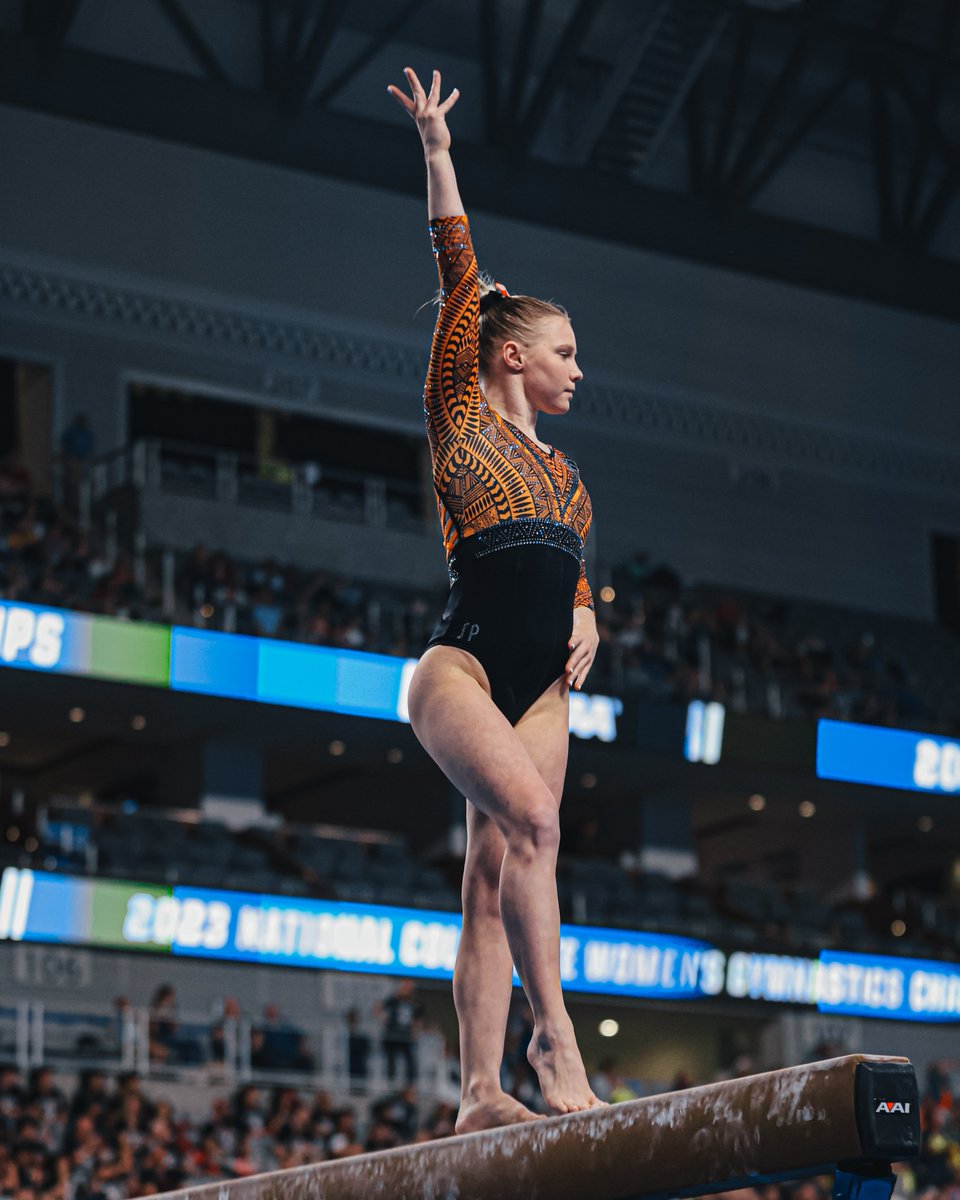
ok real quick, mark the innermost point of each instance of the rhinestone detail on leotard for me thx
(525, 531)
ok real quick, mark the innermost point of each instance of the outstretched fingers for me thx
(449, 102)
(419, 103)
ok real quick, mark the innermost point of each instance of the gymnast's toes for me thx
(491, 1112)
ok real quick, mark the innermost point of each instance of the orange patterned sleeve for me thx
(451, 398)
(584, 596)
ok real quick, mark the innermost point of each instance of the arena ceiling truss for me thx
(815, 141)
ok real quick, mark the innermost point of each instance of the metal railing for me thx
(309, 488)
(76, 1037)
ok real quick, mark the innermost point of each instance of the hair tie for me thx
(496, 295)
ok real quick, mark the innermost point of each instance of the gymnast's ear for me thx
(512, 354)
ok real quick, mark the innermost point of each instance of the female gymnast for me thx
(489, 697)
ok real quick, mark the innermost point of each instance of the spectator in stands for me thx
(323, 1115)
(11, 1099)
(220, 1131)
(163, 1025)
(77, 440)
(229, 1019)
(77, 447)
(45, 1096)
(343, 1142)
(401, 1022)
(92, 1095)
(609, 1084)
(248, 1114)
(358, 1051)
(381, 1136)
(399, 1111)
(278, 1044)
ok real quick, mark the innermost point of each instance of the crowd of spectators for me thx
(111, 1140)
(277, 1043)
(658, 637)
(108, 1142)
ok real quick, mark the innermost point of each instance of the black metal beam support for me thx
(883, 174)
(88, 87)
(755, 141)
(696, 139)
(268, 46)
(944, 195)
(746, 23)
(861, 38)
(523, 56)
(488, 16)
(193, 40)
(296, 28)
(809, 121)
(927, 118)
(308, 64)
(528, 125)
(61, 19)
(386, 34)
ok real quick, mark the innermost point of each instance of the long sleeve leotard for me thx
(513, 515)
(486, 472)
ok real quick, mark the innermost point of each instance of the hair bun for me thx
(489, 299)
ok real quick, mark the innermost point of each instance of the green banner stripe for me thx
(110, 909)
(131, 651)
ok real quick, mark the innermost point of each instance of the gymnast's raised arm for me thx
(451, 396)
(443, 197)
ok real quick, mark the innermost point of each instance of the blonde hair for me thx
(505, 318)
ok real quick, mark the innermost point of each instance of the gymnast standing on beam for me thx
(489, 697)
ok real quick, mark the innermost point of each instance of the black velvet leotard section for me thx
(511, 607)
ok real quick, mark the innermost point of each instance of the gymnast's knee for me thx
(534, 831)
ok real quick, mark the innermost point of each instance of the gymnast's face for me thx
(549, 365)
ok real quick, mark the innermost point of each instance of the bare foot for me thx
(490, 1111)
(559, 1067)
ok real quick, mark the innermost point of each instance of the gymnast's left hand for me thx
(583, 644)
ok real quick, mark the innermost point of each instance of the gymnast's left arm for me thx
(584, 638)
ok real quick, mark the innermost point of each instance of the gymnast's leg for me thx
(486, 758)
(483, 983)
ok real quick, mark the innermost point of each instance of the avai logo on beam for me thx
(894, 758)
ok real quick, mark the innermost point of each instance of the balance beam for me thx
(858, 1111)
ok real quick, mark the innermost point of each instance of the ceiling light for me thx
(609, 1028)
(807, 808)
(138, 722)
(336, 748)
(76, 715)
(756, 802)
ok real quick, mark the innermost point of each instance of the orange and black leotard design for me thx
(514, 516)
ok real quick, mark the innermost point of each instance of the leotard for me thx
(514, 516)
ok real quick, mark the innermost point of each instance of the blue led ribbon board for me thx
(894, 758)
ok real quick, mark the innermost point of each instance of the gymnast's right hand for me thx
(426, 109)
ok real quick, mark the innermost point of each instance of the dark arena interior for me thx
(308, 619)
